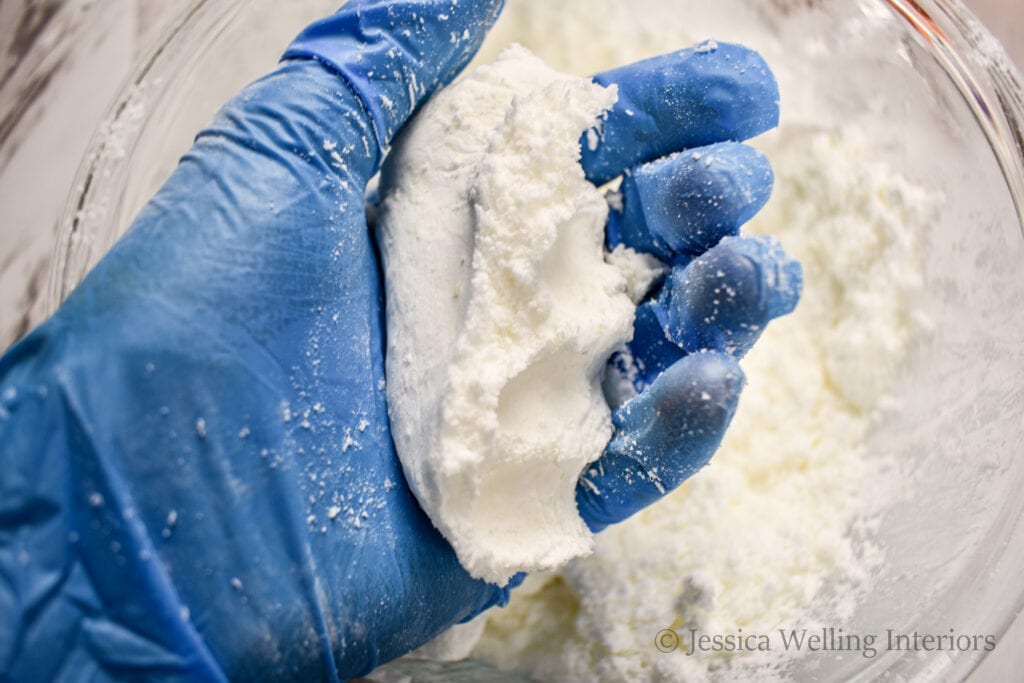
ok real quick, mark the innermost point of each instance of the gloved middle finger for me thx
(678, 207)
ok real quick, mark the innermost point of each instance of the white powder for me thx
(767, 536)
(502, 312)
(777, 531)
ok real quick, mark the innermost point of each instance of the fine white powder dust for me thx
(778, 531)
(502, 312)
(775, 533)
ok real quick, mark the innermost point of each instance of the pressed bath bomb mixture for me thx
(766, 537)
(502, 312)
(776, 532)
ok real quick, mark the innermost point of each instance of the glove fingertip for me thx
(694, 199)
(694, 399)
(725, 298)
(710, 93)
(663, 437)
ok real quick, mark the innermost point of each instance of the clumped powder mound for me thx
(777, 531)
(767, 536)
(502, 312)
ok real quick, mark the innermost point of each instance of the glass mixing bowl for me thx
(943, 106)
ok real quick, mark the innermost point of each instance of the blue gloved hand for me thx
(198, 480)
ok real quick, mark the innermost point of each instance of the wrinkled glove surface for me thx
(197, 480)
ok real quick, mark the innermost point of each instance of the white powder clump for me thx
(777, 531)
(770, 535)
(502, 312)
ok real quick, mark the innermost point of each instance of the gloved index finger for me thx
(713, 92)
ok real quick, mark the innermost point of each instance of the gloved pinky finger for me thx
(662, 438)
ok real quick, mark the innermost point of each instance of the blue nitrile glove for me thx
(197, 479)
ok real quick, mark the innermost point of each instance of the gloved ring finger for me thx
(722, 301)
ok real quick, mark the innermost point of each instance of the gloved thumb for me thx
(394, 53)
